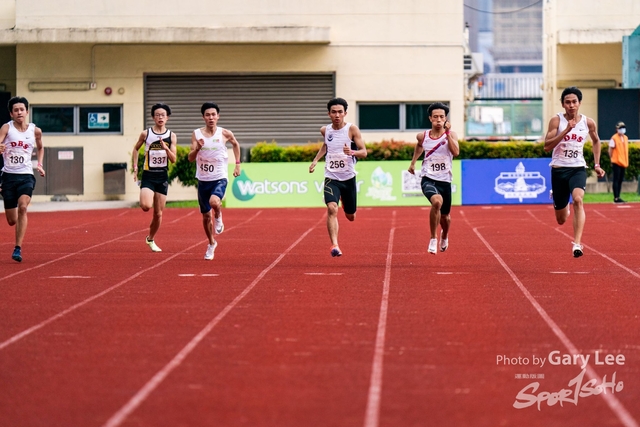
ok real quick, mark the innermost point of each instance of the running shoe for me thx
(577, 250)
(618, 200)
(444, 243)
(433, 246)
(152, 245)
(17, 255)
(335, 251)
(210, 248)
(219, 224)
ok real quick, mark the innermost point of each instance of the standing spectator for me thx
(619, 154)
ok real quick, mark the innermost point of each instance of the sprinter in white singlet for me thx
(440, 146)
(342, 145)
(209, 151)
(566, 136)
(160, 148)
(18, 139)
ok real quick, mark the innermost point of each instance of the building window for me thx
(394, 117)
(53, 119)
(76, 119)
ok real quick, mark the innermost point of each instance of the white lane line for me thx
(137, 399)
(324, 274)
(73, 253)
(194, 275)
(603, 255)
(372, 414)
(614, 404)
(63, 313)
(70, 277)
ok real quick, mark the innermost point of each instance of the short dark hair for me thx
(158, 106)
(337, 101)
(438, 106)
(571, 90)
(208, 105)
(18, 100)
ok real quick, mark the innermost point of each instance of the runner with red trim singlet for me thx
(440, 146)
(18, 138)
(566, 136)
(342, 145)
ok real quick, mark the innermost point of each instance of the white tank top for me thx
(570, 151)
(155, 157)
(438, 159)
(338, 166)
(212, 159)
(19, 148)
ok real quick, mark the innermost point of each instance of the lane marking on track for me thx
(121, 415)
(70, 277)
(63, 313)
(201, 275)
(372, 414)
(614, 404)
(603, 255)
(452, 272)
(73, 254)
(569, 272)
(324, 274)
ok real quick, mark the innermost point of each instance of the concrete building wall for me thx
(583, 47)
(380, 51)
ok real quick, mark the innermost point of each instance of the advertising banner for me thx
(506, 181)
(380, 183)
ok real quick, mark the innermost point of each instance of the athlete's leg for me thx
(159, 201)
(207, 224)
(445, 222)
(216, 205)
(578, 214)
(562, 215)
(434, 214)
(332, 222)
(21, 223)
(12, 216)
(146, 198)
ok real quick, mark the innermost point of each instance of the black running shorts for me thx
(432, 187)
(335, 190)
(564, 181)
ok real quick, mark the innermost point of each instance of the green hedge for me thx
(269, 152)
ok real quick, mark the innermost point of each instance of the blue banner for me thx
(506, 181)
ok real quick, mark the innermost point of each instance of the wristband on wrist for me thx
(597, 165)
(237, 162)
(39, 164)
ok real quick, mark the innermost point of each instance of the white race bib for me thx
(337, 162)
(157, 158)
(437, 164)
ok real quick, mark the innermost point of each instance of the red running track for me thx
(96, 330)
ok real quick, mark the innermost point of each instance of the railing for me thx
(509, 86)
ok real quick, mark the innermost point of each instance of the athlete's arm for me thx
(612, 144)
(40, 150)
(417, 151)
(195, 147)
(235, 146)
(356, 137)
(321, 152)
(3, 134)
(595, 139)
(134, 154)
(452, 139)
(172, 151)
(553, 138)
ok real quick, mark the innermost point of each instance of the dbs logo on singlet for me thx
(19, 144)
(573, 137)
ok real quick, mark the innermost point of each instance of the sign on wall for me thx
(380, 183)
(506, 181)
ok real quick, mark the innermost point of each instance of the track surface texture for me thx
(97, 330)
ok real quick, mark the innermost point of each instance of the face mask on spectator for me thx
(622, 131)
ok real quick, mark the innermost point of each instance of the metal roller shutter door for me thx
(287, 108)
